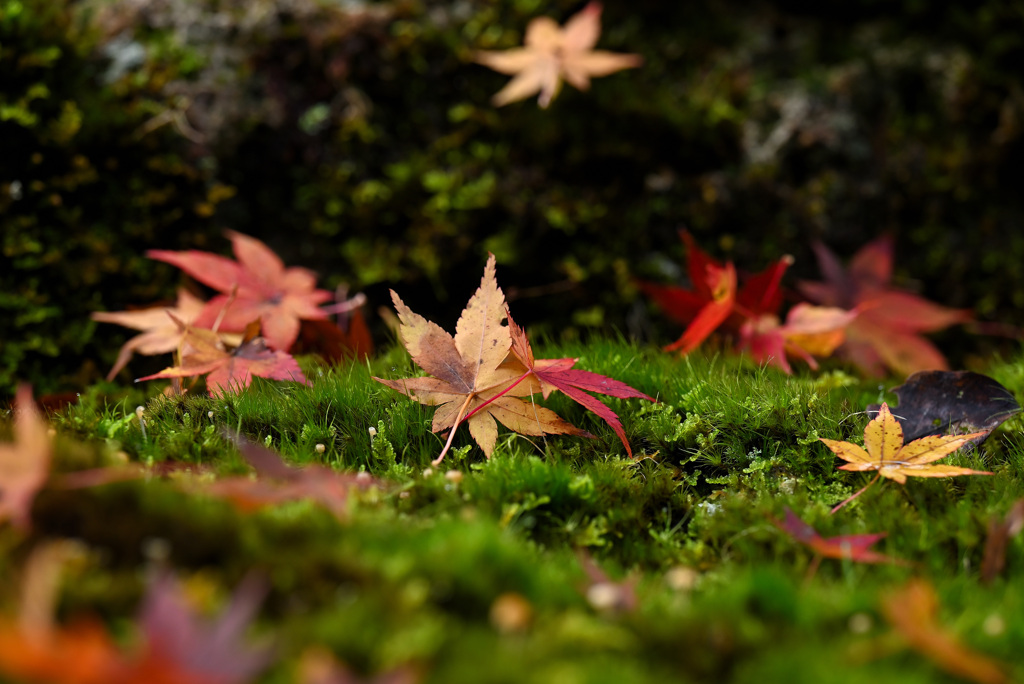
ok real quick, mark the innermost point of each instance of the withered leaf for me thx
(912, 611)
(952, 402)
(468, 372)
(552, 53)
(1000, 531)
(229, 370)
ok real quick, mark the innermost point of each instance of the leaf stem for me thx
(499, 394)
(862, 490)
(455, 425)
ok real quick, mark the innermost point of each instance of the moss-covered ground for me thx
(473, 572)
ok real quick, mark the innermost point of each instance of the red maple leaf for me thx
(204, 353)
(559, 374)
(887, 333)
(257, 286)
(749, 313)
(854, 547)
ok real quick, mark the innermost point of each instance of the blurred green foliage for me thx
(358, 139)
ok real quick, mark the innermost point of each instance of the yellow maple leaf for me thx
(885, 452)
(552, 53)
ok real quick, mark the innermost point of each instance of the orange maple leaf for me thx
(467, 371)
(204, 353)
(911, 610)
(885, 452)
(25, 465)
(257, 286)
(551, 53)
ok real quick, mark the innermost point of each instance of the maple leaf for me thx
(204, 353)
(200, 650)
(81, 653)
(467, 371)
(912, 611)
(943, 402)
(559, 374)
(750, 313)
(887, 334)
(854, 547)
(160, 333)
(1000, 531)
(885, 452)
(349, 337)
(24, 465)
(178, 647)
(809, 331)
(257, 286)
(551, 53)
(279, 483)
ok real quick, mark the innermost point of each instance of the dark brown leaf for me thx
(951, 402)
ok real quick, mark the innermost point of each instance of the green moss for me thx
(414, 571)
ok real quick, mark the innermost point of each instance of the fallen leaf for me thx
(257, 286)
(1000, 531)
(277, 482)
(467, 371)
(912, 611)
(25, 464)
(884, 451)
(559, 374)
(854, 547)
(81, 653)
(204, 353)
(887, 333)
(198, 649)
(177, 646)
(750, 313)
(336, 341)
(944, 402)
(160, 333)
(809, 331)
(551, 53)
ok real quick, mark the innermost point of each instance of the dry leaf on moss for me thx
(551, 53)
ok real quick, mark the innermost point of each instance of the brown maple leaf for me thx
(551, 53)
(887, 333)
(204, 353)
(257, 286)
(912, 611)
(467, 371)
(885, 452)
(24, 465)
(160, 333)
(559, 374)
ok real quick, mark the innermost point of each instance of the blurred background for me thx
(358, 139)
